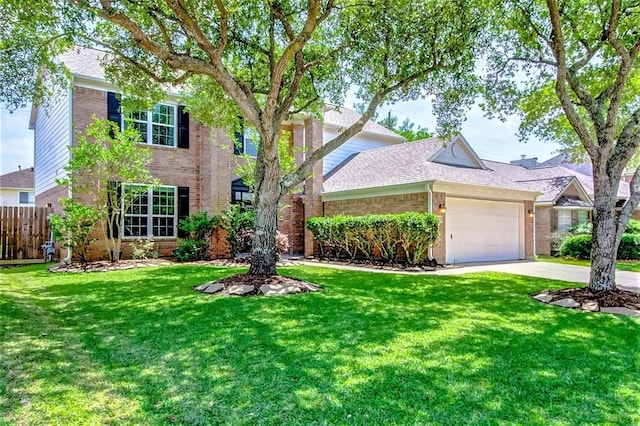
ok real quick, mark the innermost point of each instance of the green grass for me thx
(621, 265)
(140, 347)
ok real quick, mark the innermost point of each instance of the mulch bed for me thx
(259, 280)
(604, 299)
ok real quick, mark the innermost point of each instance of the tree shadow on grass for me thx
(371, 348)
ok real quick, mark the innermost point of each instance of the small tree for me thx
(108, 172)
(75, 227)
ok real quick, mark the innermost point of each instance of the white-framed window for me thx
(583, 216)
(156, 127)
(247, 142)
(26, 197)
(564, 219)
(153, 213)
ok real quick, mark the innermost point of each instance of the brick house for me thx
(488, 210)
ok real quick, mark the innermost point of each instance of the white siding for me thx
(52, 138)
(455, 154)
(9, 197)
(356, 144)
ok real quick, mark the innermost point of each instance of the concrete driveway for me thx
(555, 271)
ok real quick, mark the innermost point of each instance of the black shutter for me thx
(114, 188)
(183, 208)
(113, 109)
(183, 128)
(238, 143)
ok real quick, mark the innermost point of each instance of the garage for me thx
(481, 231)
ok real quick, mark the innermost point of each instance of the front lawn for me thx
(140, 347)
(621, 265)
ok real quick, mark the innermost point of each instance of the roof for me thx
(342, 117)
(18, 179)
(551, 188)
(408, 163)
(563, 160)
(572, 202)
(83, 61)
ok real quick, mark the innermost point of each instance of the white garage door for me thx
(478, 231)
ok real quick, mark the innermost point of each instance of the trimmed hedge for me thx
(376, 235)
(579, 246)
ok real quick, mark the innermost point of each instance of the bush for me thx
(282, 242)
(74, 228)
(199, 226)
(633, 227)
(579, 246)
(189, 250)
(369, 235)
(237, 221)
(143, 249)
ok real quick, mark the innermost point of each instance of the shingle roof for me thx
(345, 117)
(572, 202)
(18, 179)
(83, 61)
(550, 188)
(408, 163)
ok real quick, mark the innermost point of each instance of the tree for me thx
(74, 229)
(266, 61)
(102, 161)
(405, 129)
(583, 89)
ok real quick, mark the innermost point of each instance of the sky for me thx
(491, 139)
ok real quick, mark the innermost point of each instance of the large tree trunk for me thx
(605, 237)
(266, 196)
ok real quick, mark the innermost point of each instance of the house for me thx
(192, 162)
(16, 188)
(489, 210)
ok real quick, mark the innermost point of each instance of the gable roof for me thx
(564, 161)
(21, 179)
(458, 152)
(341, 117)
(83, 61)
(406, 164)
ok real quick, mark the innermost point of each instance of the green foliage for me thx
(405, 129)
(143, 248)
(237, 221)
(633, 227)
(581, 228)
(74, 228)
(199, 225)
(102, 158)
(189, 250)
(579, 247)
(382, 234)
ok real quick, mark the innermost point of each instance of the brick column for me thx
(313, 185)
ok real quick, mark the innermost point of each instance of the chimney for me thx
(525, 162)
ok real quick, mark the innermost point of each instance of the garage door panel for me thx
(482, 230)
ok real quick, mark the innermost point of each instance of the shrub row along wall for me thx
(579, 246)
(372, 236)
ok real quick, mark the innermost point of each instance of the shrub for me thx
(365, 235)
(579, 246)
(633, 227)
(189, 250)
(74, 228)
(143, 249)
(581, 228)
(629, 247)
(199, 226)
(237, 221)
(282, 242)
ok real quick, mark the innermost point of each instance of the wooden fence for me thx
(23, 230)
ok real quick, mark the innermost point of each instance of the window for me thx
(583, 216)
(246, 141)
(157, 127)
(564, 220)
(240, 194)
(27, 197)
(153, 213)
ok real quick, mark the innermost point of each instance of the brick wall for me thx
(543, 230)
(313, 185)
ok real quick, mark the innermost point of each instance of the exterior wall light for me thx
(442, 209)
(531, 213)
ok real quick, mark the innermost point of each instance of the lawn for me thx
(621, 265)
(140, 347)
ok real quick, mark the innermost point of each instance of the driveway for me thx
(555, 271)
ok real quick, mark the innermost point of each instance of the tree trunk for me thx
(605, 237)
(266, 196)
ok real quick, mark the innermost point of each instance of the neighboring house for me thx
(16, 188)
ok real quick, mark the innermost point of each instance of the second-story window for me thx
(246, 142)
(157, 127)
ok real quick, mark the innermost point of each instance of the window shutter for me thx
(114, 187)
(183, 208)
(113, 109)
(183, 128)
(238, 143)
